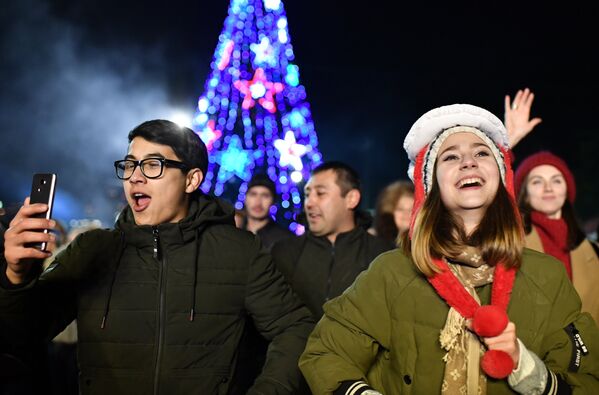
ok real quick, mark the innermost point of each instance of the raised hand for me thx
(24, 229)
(517, 116)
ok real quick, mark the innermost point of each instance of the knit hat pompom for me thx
(545, 158)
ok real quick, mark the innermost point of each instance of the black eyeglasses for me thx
(150, 167)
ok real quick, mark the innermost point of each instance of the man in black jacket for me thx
(259, 198)
(161, 300)
(322, 263)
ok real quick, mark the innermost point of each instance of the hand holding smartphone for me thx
(43, 188)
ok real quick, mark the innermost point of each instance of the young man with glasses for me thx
(161, 300)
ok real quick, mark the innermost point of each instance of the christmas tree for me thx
(253, 114)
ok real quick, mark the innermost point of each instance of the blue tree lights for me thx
(253, 115)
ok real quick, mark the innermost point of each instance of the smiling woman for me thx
(546, 194)
(463, 279)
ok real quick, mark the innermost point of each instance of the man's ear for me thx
(352, 199)
(193, 180)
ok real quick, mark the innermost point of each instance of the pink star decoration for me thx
(260, 89)
(209, 135)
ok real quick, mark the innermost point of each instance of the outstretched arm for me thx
(517, 116)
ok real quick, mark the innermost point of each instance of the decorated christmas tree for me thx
(253, 114)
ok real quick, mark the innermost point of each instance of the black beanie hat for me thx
(264, 181)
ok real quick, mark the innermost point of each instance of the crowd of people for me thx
(470, 277)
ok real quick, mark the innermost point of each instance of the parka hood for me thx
(204, 211)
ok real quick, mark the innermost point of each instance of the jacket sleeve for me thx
(41, 309)
(283, 253)
(281, 318)
(571, 345)
(354, 329)
(30, 316)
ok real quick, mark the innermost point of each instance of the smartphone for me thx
(43, 188)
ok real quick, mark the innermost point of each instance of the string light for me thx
(253, 115)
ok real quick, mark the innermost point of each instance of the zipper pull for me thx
(156, 242)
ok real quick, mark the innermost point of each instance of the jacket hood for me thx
(204, 211)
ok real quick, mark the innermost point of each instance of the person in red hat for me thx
(546, 192)
(462, 307)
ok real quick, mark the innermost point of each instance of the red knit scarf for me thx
(453, 292)
(554, 237)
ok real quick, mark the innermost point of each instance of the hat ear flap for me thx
(509, 185)
(419, 193)
(509, 173)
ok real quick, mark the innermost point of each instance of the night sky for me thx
(76, 76)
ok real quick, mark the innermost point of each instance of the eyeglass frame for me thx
(138, 163)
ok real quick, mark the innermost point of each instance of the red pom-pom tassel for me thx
(497, 364)
(489, 321)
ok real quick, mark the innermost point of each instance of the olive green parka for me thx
(385, 329)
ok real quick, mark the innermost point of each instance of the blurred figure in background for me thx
(546, 191)
(393, 210)
(259, 198)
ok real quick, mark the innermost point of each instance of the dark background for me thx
(76, 76)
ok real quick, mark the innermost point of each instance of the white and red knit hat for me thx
(428, 133)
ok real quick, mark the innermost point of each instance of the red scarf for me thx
(453, 292)
(554, 237)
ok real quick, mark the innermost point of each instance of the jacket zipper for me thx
(157, 253)
(329, 280)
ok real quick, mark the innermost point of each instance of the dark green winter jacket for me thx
(385, 330)
(160, 310)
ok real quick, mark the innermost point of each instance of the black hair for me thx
(347, 177)
(188, 146)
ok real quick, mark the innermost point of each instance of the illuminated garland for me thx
(253, 115)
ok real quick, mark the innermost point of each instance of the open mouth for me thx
(472, 182)
(141, 201)
(312, 216)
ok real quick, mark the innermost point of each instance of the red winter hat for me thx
(545, 158)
